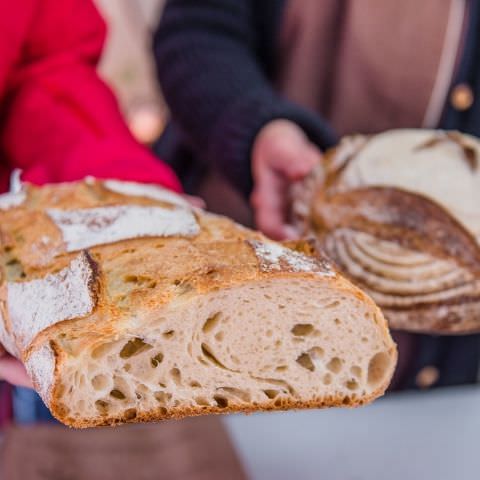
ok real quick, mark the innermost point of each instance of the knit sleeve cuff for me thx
(231, 144)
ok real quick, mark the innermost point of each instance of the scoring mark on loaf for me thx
(153, 192)
(274, 257)
(40, 303)
(346, 150)
(98, 226)
(469, 151)
(40, 366)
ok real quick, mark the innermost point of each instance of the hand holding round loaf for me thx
(126, 304)
(399, 214)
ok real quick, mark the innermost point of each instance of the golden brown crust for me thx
(456, 318)
(469, 153)
(143, 274)
(450, 315)
(179, 413)
(406, 218)
(410, 220)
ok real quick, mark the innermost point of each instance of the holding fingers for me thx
(282, 154)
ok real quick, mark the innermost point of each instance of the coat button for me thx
(462, 97)
(427, 376)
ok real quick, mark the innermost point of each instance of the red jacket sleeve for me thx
(61, 121)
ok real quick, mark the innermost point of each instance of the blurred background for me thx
(128, 66)
(127, 63)
(427, 435)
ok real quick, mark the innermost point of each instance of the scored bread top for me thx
(35, 305)
(275, 257)
(398, 213)
(443, 166)
(97, 226)
(102, 256)
(408, 180)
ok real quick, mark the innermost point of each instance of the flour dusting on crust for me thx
(41, 368)
(346, 150)
(275, 257)
(145, 190)
(17, 195)
(98, 226)
(38, 304)
(16, 185)
(12, 200)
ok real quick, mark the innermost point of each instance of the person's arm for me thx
(60, 122)
(215, 85)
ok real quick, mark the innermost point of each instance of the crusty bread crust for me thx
(409, 219)
(132, 272)
(179, 413)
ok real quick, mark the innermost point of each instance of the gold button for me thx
(462, 97)
(427, 376)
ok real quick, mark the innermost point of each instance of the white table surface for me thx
(409, 436)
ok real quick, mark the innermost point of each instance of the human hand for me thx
(12, 370)
(194, 201)
(282, 154)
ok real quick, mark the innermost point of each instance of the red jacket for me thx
(58, 120)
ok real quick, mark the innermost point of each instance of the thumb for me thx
(13, 371)
(298, 160)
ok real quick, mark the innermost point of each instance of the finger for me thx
(297, 161)
(290, 232)
(13, 371)
(270, 221)
(271, 203)
(275, 230)
(268, 200)
(271, 229)
(195, 201)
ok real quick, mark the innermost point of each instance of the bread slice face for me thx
(170, 311)
(398, 213)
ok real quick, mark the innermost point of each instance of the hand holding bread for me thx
(13, 371)
(282, 155)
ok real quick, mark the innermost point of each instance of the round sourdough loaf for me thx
(399, 213)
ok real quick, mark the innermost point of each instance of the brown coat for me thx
(348, 61)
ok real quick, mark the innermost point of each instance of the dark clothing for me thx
(221, 66)
(457, 358)
(219, 81)
(468, 73)
(224, 67)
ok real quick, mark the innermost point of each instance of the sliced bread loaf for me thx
(127, 305)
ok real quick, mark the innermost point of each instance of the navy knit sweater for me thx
(215, 63)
